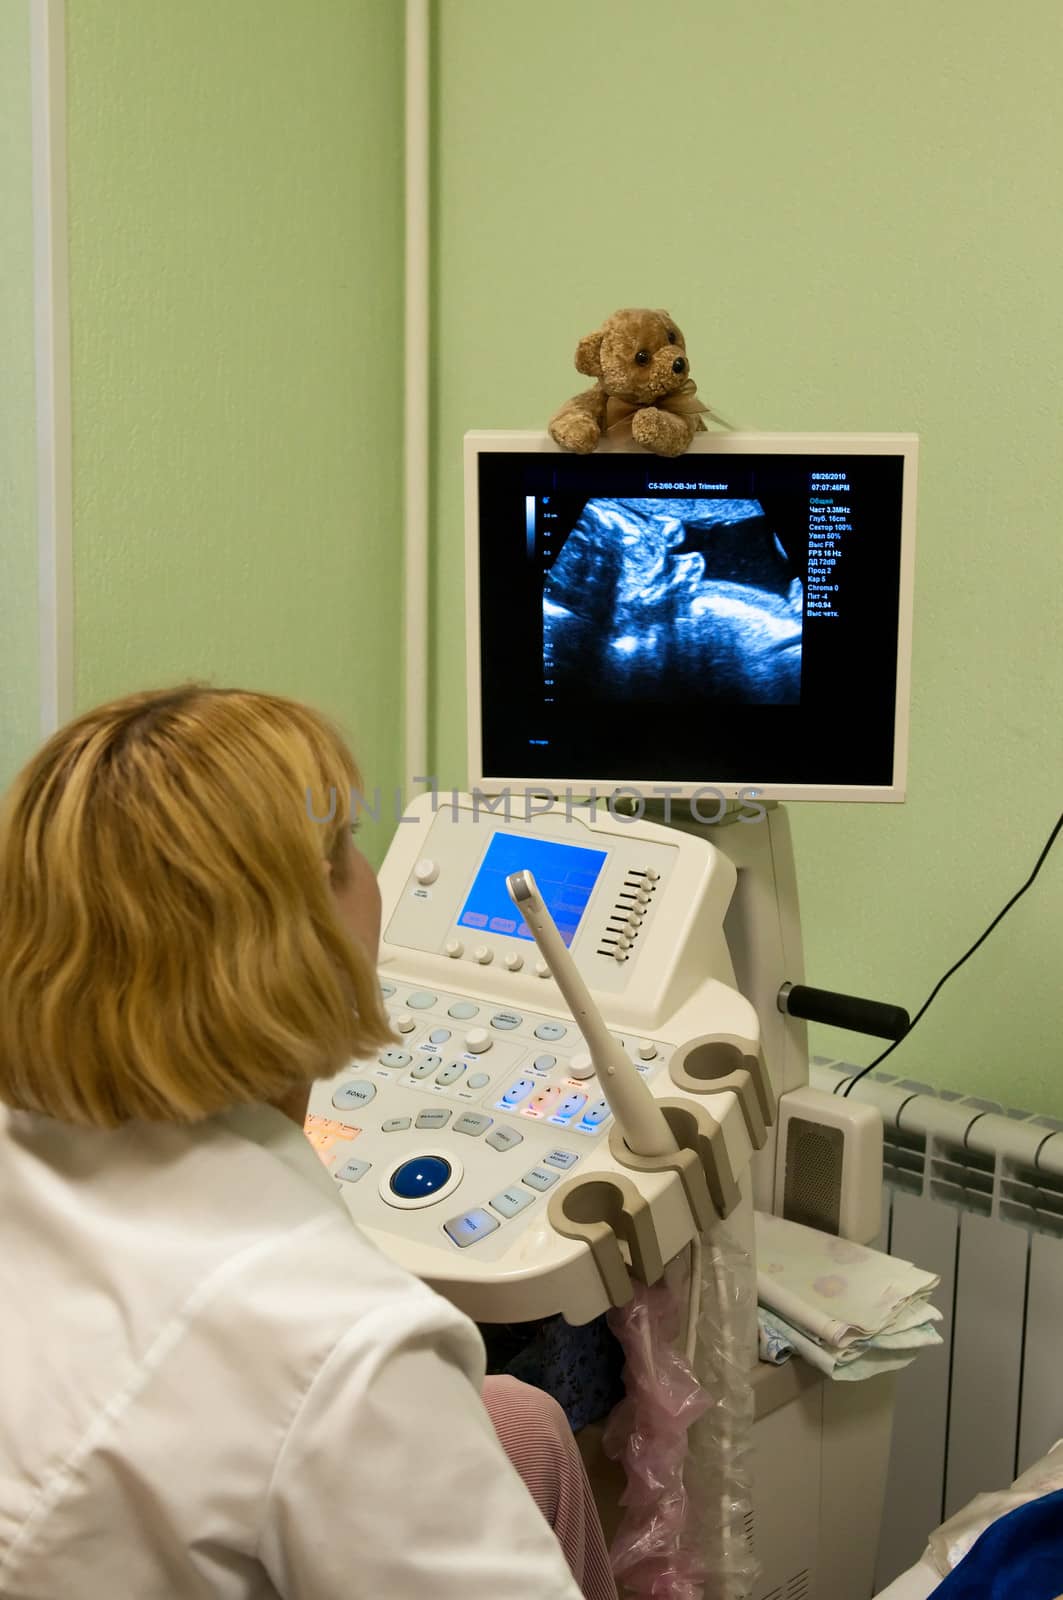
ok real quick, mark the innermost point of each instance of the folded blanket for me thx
(836, 1292)
(857, 1361)
(1020, 1557)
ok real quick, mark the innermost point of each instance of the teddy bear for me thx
(644, 389)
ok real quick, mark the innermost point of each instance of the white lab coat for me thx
(211, 1384)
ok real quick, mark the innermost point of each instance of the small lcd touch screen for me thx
(565, 875)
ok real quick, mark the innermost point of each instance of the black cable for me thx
(942, 981)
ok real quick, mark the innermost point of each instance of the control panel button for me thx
(581, 1065)
(439, 1035)
(477, 1040)
(541, 969)
(447, 1074)
(647, 1050)
(551, 1030)
(592, 1119)
(544, 1063)
(463, 1010)
(484, 955)
(504, 1138)
(353, 1094)
(425, 1066)
(352, 1170)
(454, 949)
(541, 1178)
(514, 962)
(420, 1177)
(394, 1124)
(387, 990)
(506, 1020)
(404, 1023)
(420, 1000)
(543, 1103)
(517, 1092)
(432, 1119)
(643, 897)
(478, 1080)
(394, 1058)
(510, 1201)
(426, 871)
(469, 1227)
(561, 1158)
(651, 874)
(473, 1123)
(568, 1108)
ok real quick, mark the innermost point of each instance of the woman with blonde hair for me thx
(212, 1384)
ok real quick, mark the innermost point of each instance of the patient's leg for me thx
(534, 1433)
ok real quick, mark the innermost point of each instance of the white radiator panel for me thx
(986, 1358)
(925, 1233)
(1041, 1414)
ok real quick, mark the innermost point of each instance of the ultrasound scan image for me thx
(659, 600)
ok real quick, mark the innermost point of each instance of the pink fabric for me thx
(534, 1433)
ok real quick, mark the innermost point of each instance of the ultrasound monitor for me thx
(737, 619)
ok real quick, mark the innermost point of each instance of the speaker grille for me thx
(813, 1190)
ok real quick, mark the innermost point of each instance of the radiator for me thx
(973, 1192)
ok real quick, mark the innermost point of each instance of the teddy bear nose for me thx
(679, 365)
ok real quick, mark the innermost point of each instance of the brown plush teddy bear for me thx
(644, 389)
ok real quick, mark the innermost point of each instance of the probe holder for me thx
(702, 1162)
(710, 1065)
(601, 1209)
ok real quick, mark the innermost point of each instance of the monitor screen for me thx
(736, 617)
(565, 875)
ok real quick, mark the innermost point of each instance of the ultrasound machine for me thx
(592, 954)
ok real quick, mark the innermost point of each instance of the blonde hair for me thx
(169, 944)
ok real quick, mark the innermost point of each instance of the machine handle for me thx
(844, 1011)
(638, 1116)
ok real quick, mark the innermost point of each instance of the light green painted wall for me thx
(854, 212)
(19, 681)
(236, 307)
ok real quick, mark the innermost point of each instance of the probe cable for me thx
(942, 981)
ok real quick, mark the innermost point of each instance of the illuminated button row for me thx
(471, 1226)
(554, 1104)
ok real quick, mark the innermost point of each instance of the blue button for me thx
(353, 1094)
(422, 1176)
(516, 1093)
(567, 1109)
(551, 1030)
(592, 1120)
(506, 1020)
(472, 1226)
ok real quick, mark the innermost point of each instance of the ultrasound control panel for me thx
(449, 1143)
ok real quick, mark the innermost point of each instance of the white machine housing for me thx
(442, 1093)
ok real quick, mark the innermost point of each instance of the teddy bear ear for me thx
(666, 316)
(589, 355)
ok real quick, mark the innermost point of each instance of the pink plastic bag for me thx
(658, 1549)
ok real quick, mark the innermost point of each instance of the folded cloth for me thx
(1020, 1557)
(836, 1292)
(773, 1347)
(857, 1361)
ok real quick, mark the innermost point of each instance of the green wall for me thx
(235, 177)
(853, 211)
(19, 674)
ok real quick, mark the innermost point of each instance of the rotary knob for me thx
(581, 1066)
(454, 948)
(477, 1040)
(405, 1023)
(484, 954)
(647, 1050)
(426, 871)
(514, 962)
(541, 969)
